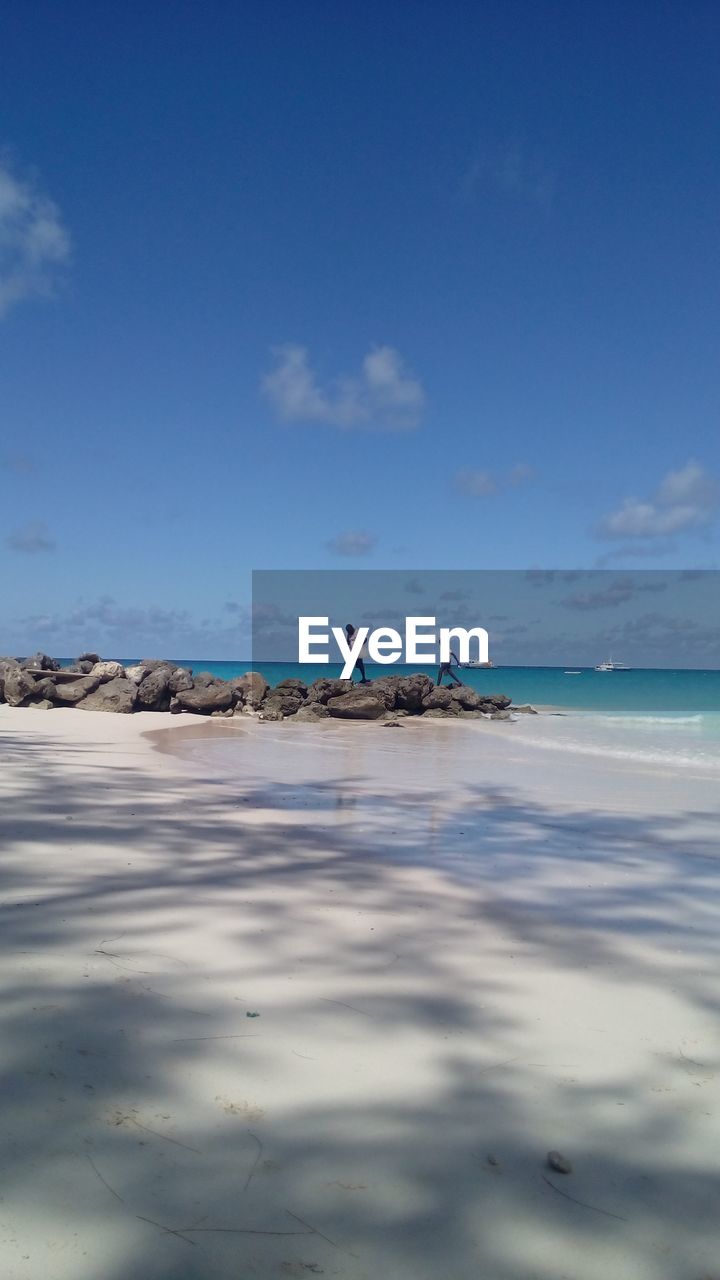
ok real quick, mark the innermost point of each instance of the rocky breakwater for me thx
(156, 685)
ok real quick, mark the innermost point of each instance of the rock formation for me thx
(155, 685)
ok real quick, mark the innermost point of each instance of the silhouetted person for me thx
(445, 669)
(350, 632)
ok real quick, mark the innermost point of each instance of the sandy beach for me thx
(292, 1000)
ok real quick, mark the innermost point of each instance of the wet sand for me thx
(462, 952)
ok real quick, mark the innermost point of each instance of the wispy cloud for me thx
(610, 595)
(384, 394)
(18, 464)
(354, 542)
(516, 170)
(31, 539)
(685, 500)
(476, 483)
(34, 244)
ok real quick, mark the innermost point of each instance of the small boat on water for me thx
(612, 666)
(477, 664)
(572, 673)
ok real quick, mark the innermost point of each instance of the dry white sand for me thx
(463, 953)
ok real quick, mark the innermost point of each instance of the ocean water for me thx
(650, 717)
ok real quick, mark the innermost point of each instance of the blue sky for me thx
(307, 285)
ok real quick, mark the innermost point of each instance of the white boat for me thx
(477, 664)
(612, 666)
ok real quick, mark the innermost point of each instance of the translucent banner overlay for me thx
(554, 618)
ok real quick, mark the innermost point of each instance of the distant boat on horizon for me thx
(610, 665)
(477, 664)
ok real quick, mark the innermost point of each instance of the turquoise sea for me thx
(637, 692)
(646, 715)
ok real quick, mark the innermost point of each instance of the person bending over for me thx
(445, 669)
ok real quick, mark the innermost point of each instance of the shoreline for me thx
(460, 955)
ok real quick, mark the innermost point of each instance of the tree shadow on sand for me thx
(390, 1118)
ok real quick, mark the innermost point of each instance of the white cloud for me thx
(482, 484)
(384, 394)
(31, 539)
(476, 484)
(686, 499)
(355, 542)
(34, 245)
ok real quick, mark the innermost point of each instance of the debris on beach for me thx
(254, 1014)
(559, 1162)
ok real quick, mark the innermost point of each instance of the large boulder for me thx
(283, 701)
(385, 689)
(153, 693)
(43, 691)
(76, 690)
(17, 684)
(180, 678)
(466, 697)
(205, 699)
(498, 701)
(250, 688)
(322, 689)
(358, 705)
(410, 692)
(293, 685)
(137, 672)
(312, 711)
(40, 662)
(89, 657)
(108, 671)
(7, 665)
(438, 699)
(118, 695)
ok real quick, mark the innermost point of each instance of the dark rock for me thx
(358, 705)
(501, 715)
(284, 701)
(18, 685)
(43, 691)
(499, 700)
(175, 707)
(323, 689)
(79, 668)
(292, 685)
(119, 696)
(466, 697)
(385, 690)
(559, 1162)
(89, 657)
(270, 713)
(77, 690)
(526, 709)
(250, 688)
(312, 711)
(441, 698)
(153, 693)
(7, 667)
(43, 705)
(204, 680)
(40, 662)
(180, 678)
(439, 713)
(205, 698)
(410, 693)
